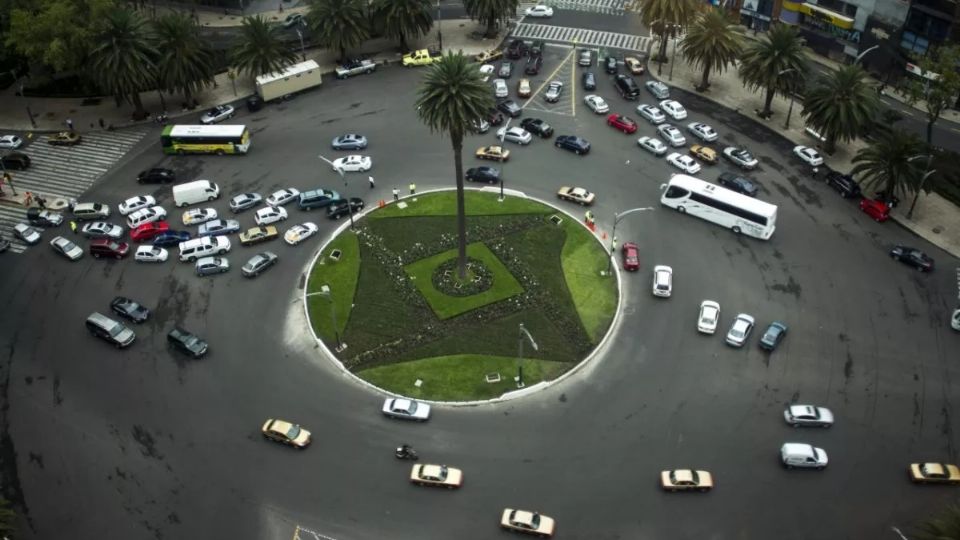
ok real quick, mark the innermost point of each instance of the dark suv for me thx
(489, 175)
(156, 175)
(740, 184)
(534, 63)
(537, 48)
(187, 342)
(16, 161)
(844, 184)
(516, 49)
(537, 127)
(318, 198)
(627, 87)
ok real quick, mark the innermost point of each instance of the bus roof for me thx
(723, 194)
(219, 130)
(289, 71)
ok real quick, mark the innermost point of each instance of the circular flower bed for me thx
(446, 279)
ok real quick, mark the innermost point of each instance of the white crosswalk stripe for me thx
(64, 172)
(582, 36)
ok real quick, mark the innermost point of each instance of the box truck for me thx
(290, 80)
(195, 192)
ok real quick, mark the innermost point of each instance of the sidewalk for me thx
(935, 219)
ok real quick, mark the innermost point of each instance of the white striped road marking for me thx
(582, 36)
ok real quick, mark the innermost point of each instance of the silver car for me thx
(217, 114)
(740, 330)
(258, 264)
(26, 233)
(672, 135)
(553, 92)
(406, 409)
(515, 134)
(702, 131)
(218, 227)
(651, 113)
(212, 265)
(102, 229)
(653, 145)
(808, 415)
(66, 248)
(500, 89)
(244, 201)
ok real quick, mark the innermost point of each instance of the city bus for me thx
(219, 139)
(739, 213)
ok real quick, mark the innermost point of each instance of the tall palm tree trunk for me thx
(768, 102)
(138, 110)
(663, 46)
(457, 140)
(704, 81)
(403, 42)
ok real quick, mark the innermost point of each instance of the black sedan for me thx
(157, 175)
(740, 184)
(340, 207)
(128, 309)
(187, 342)
(577, 145)
(170, 238)
(509, 107)
(537, 127)
(610, 65)
(494, 117)
(490, 175)
(589, 80)
(912, 257)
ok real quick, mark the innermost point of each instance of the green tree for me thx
(186, 62)
(945, 525)
(8, 518)
(339, 24)
(776, 63)
(57, 33)
(491, 13)
(894, 163)
(123, 59)
(665, 18)
(451, 96)
(404, 18)
(712, 43)
(259, 49)
(841, 105)
(939, 92)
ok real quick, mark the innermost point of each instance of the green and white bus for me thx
(220, 139)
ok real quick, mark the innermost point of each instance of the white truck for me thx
(355, 67)
(195, 192)
(293, 79)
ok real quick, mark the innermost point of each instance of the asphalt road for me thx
(144, 443)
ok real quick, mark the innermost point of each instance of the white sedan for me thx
(486, 71)
(539, 11)
(709, 317)
(270, 214)
(151, 254)
(299, 233)
(809, 155)
(196, 216)
(514, 134)
(353, 163)
(703, 131)
(136, 203)
(662, 281)
(406, 409)
(740, 330)
(596, 104)
(673, 109)
(653, 145)
(500, 89)
(10, 142)
(684, 162)
(282, 197)
(217, 114)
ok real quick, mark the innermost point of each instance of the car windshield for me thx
(737, 331)
(293, 432)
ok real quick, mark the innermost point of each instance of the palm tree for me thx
(451, 96)
(339, 24)
(893, 163)
(943, 526)
(776, 63)
(259, 49)
(123, 59)
(403, 18)
(665, 17)
(491, 12)
(713, 42)
(186, 61)
(841, 105)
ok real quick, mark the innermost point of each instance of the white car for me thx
(152, 254)
(709, 317)
(703, 131)
(539, 11)
(651, 113)
(27, 233)
(500, 89)
(136, 203)
(596, 104)
(196, 216)
(299, 233)
(217, 114)
(102, 229)
(66, 248)
(653, 145)
(662, 281)
(672, 135)
(270, 214)
(146, 215)
(808, 415)
(486, 71)
(809, 155)
(740, 330)
(406, 409)
(282, 197)
(10, 142)
(353, 163)
(673, 109)
(802, 455)
(515, 134)
(740, 157)
(684, 162)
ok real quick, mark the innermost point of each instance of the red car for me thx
(631, 256)
(148, 230)
(878, 210)
(106, 247)
(622, 123)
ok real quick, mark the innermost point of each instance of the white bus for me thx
(219, 139)
(739, 213)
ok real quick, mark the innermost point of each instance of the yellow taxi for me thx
(258, 234)
(527, 522)
(286, 433)
(704, 153)
(686, 480)
(489, 56)
(523, 88)
(934, 473)
(496, 153)
(436, 475)
(64, 138)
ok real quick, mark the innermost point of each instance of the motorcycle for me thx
(405, 452)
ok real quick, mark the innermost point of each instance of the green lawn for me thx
(341, 277)
(477, 203)
(595, 296)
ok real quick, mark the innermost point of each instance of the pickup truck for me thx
(355, 67)
(423, 57)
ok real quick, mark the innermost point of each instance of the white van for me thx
(206, 246)
(802, 455)
(146, 215)
(195, 192)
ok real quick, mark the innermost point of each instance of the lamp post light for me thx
(328, 294)
(523, 334)
(864, 53)
(923, 180)
(786, 125)
(343, 177)
(613, 235)
(673, 59)
(503, 165)
(672, 28)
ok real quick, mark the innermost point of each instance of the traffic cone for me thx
(381, 204)
(604, 236)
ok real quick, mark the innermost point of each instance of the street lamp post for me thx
(613, 235)
(302, 53)
(503, 164)
(923, 181)
(27, 103)
(523, 334)
(864, 53)
(439, 25)
(786, 125)
(328, 294)
(343, 177)
(673, 58)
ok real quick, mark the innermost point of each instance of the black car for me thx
(16, 161)
(516, 49)
(627, 87)
(889, 199)
(534, 63)
(129, 309)
(844, 184)
(170, 238)
(589, 80)
(912, 257)
(510, 108)
(187, 342)
(740, 184)
(490, 175)
(494, 117)
(537, 127)
(44, 218)
(506, 69)
(610, 65)
(577, 145)
(537, 48)
(156, 175)
(341, 207)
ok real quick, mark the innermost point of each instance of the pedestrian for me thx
(42, 203)
(396, 194)
(371, 182)
(815, 171)
(70, 124)
(413, 188)
(73, 226)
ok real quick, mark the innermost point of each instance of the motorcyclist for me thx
(405, 450)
